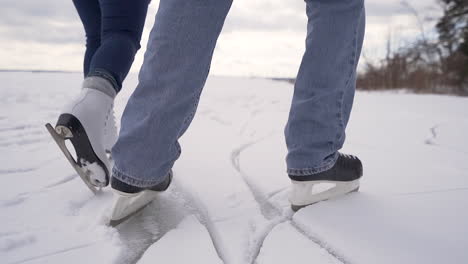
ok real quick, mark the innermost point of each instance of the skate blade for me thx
(127, 205)
(341, 189)
(60, 140)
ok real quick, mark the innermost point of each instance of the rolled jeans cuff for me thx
(106, 75)
(328, 164)
(128, 179)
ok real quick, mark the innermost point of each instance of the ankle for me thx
(100, 84)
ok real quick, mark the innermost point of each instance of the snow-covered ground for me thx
(228, 203)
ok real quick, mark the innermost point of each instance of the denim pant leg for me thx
(121, 26)
(90, 15)
(325, 85)
(174, 71)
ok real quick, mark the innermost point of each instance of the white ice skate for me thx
(128, 204)
(88, 122)
(129, 200)
(344, 176)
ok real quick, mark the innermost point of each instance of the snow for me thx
(97, 172)
(228, 202)
(368, 228)
(189, 241)
(285, 244)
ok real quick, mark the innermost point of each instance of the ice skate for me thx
(88, 122)
(344, 175)
(129, 200)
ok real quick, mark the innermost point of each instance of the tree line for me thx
(428, 65)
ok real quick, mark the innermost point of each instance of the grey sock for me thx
(100, 84)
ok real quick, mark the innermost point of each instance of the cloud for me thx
(263, 37)
(45, 21)
(266, 15)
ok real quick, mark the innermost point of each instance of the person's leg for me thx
(122, 26)
(175, 68)
(113, 30)
(325, 85)
(90, 15)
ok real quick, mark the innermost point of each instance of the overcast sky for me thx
(260, 37)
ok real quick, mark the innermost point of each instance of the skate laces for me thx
(348, 156)
(110, 128)
(110, 118)
(347, 160)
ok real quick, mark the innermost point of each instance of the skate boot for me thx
(129, 200)
(88, 122)
(344, 175)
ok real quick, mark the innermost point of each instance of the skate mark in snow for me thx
(23, 142)
(28, 169)
(14, 201)
(219, 120)
(21, 197)
(22, 135)
(200, 211)
(76, 206)
(161, 216)
(9, 233)
(65, 250)
(15, 128)
(273, 193)
(323, 244)
(19, 170)
(431, 140)
(433, 191)
(210, 114)
(266, 208)
(148, 226)
(273, 213)
(9, 243)
(62, 181)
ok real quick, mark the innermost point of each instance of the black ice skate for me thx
(345, 175)
(129, 200)
(88, 122)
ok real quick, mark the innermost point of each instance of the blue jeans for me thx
(176, 66)
(113, 33)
